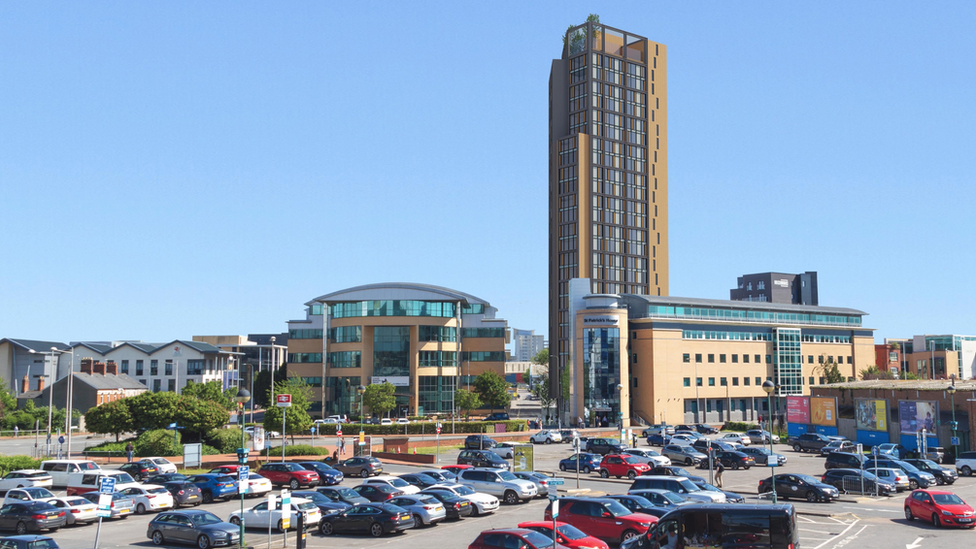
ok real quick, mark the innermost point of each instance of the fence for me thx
(857, 485)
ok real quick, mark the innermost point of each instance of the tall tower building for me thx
(608, 173)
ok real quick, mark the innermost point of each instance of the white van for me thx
(82, 483)
(61, 469)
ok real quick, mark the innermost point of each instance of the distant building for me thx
(887, 356)
(798, 289)
(526, 344)
(96, 384)
(255, 353)
(938, 356)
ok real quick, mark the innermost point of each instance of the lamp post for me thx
(53, 353)
(769, 387)
(952, 395)
(362, 391)
(243, 396)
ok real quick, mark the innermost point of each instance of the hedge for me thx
(461, 427)
(225, 441)
(297, 450)
(13, 463)
(155, 443)
(738, 426)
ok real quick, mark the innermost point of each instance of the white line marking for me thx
(840, 534)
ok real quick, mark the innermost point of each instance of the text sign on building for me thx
(283, 401)
(599, 321)
(396, 381)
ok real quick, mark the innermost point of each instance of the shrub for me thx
(225, 441)
(738, 426)
(298, 450)
(158, 442)
(462, 427)
(12, 463)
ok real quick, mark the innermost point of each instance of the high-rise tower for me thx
(608, 172)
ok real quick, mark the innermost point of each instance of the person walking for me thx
(128, 452)
(342, 446)
(719, 469)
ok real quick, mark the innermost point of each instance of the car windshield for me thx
(689, 485)
(464, 491)
(43, 543)
(570, 532)
(632, 460)
(759, 451)
(537, 540)
(39, 493)
(205, 518)
(617, 509)
(307, 506)
(642, 501)
(672, 497)
(948, 499)
(908, 467)
(399, 482)
(346, 493)
(928, 465)
(505, 475)
(708, 487)
(294, 467)
(122, 478)
(317, 497)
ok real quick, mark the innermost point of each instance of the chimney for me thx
(111, 369)
(86, 366)
(40, 384)
(98, 368)
(25, 384)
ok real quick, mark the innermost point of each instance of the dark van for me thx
(722, 525)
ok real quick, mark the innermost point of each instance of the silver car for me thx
(122, 506)
(505, 450)
(679, 453)
(541, 481)
(426, 510)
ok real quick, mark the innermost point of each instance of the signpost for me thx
(106, 489)
(243, 473)
(285, 515)
(437, 455)
(555, 513)
(283, 401)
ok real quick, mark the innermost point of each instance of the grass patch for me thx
(445, 448)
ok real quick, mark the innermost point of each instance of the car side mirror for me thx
(606, 514)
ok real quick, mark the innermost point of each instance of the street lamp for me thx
(769, 387)
(952, 395)
(242, 397)
(50, 392)
(362, 391)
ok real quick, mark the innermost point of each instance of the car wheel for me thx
(207, 496)
(631, 475)
(913, 484)
(586, 470)
(364, 473)
(908, 513)
(689, 461)
(811, 496)
(376, 530)
(735, 465)
(548, 441)
(935, 520)
(562, 467)
(966, 471)
(293, 484)
(236, 521)
(203, 542)
(325, 528)
(628, 535)
(604, 473)
(140, 509)
(21, 528)
(797, 448)
(939, 480)
(511, 498)
(157, 538)
(281, 525)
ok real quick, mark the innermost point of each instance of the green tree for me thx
(211, 390)
(111, 418)
(153, 410)
(466, 400)
(873, 372)
(579, 35)
(492, 389)
(8, 402)
(198, 417)
(379, 398)
(263, 382)
(542, 391)
(297, 420)
(829, 369)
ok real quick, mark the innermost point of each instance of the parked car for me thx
(342, 495)
(943, 475)
(732, 460)
(23, 478)
(29, 541)
(402, 421)
(363, 466)
(567, 535)
(675, 471)
(648, 456)
(935, 453)
(966, 463)
(683, 438)
(386, 421)
(164, 465)
(377, 493)
(664, 501)
(640, 504)
(426, 509)
(140, 470)
(808, 442)
(568, 435)
(892, 450)
(792, 485)
(540, 480)
(419, 480)
(511, 537)
(895, 476)
(482, 503)
(395, 482)
(505, 450)
(374, 519)
(328, 476)
(77, 510)
(604, 446)
(501, 484)
(657, 439)
(149, 497)
(941, 508)
(602, 518)
(263, 515)
(165, 477)
(452, 471)
(683, 454)
(497, 416)
(479, 442)
(744, 440)
(215, 486)
(679, 485)
(457, 507)
(730, 497)
(27, 495)
(762, 456)
(292, 475)
(761, 436)
(193, 527)
(916, 478)
(184, 493)
(31, 516)
(844, 460)
(482, 458)
(663, 429)
(836, 478)
(324, 503)
(584, 463)
(618, 465)
(255, 485)
(838, 446)
(545, 437)
(122, 506)
(703, 444)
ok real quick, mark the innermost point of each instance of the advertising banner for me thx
(823, 411)
(798, 409)
(915, 415)
(871, 414)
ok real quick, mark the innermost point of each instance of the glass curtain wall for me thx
(788, 368)
(601, 374)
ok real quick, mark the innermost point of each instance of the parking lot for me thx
(865, 521)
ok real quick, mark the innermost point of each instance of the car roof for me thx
(664, 477)
(544, 523)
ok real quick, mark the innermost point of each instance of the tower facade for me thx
(608, 174)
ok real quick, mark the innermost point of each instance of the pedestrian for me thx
(128, 452)
(633, 437)
(335, 456)
(16, 430)
(342, 446)
(579, 422)
(719, 469)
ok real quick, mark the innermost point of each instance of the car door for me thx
(182, 528)
(6, 514)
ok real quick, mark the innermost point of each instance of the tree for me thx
(579, 35)
(829, 369)
(492, 389)
(153, 410)
(543, 393)
(263, 382)
(297, 420)
(8, 402)
(198, 417)
(379, 398)
(211, 390)
(873, 372)
(111, 418)
(466, 400)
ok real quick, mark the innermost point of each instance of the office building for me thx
(424, 340)
(685, 360)
(608, 172)
(526, 344)
(938, 356)
(798, 289)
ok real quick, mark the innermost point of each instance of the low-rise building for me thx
(97, 383)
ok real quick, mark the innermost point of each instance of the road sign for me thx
(104, 505)
(555, 508)
(61, 439)
(874, 451)
(339, 432)
(556, 481)
(244, 473)
(954, 441)
(283, 401)
(438, 429)
(313, 430)
(107, 485)
(285, 509)
(553, 497)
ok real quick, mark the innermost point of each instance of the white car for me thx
(257, 485)
(386, 421)
(260, 517)
(327, 421)
(649, 456)
(684, 440)
(77, 510)
(149, 497)
(395, 482)
(546, 437)
(24, 478)
(164, 465)
(20, 495)
(736, 437)
(483, 503)
(505, 450)
(403, 421)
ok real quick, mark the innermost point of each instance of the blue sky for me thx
(179, 168)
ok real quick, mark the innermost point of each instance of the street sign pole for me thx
(555, 513)
(283, 401)
(106, 488)
(243, 473)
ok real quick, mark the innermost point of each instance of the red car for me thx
(616, 465)
(566, 535)
(602, 518)
(513, 537)
(455, 469)
(292, 474)
(940, 508)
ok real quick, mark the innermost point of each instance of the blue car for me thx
(656, 440)
(587, 463)
(327, 475)
(215, 486)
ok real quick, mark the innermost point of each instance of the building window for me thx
(483, 356)
(168, 368)
(194, 367)
(435, 393)
(313, 381)
(687, 382)
(157, 385)
(400, 308)
(745, 381)
(170, 385)
(809, 359)
(436, 333)
(635, 358)
(473, 309)
(735, 382)
(154, 368)
(482, 332)
(125, 367)
(758, 381)
(723, 382)
(143, 382)
(769, 359)
(340, 359)
(711, 358)
(745, 359)
(821, 381)
(344, 334)
(708, 405)
(811, 380)
(711, 382)
(721, 358)
(635, 382)
(438, 359)
(758, 360)
(686, 358)
(305, 333)
(698, 358)
(850, 360)
(305, 358)
(735, 359)
(698, 381)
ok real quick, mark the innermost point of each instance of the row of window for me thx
(305, 333)
(446, 359)
(194, 367)
(483, 356)
(710, 313)
(437, 333)
(725, 335)
(344, 359)
(346, 334)
(482, 332)
(302, 358)
(392, 307)
(722, 358)
(724, 381)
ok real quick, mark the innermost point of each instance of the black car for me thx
(328, 476)
(942, 475)
(377, 493)
(844, 460)
(640, 504)
(498, 416)
(420, 480)
(675, 472)
(194, 527)
(479, 442)
(342, 495)
(481, 458)
(373, 519)
(790, 485)
(705, 429)
(184, 492)
(836, 478)
(456, 507)
(730, 497)
(731, 459)
(702, 445)
(28, 542)
(325, 504)
(31, 516)
(140, 470)
(165, 477)
(604, 446)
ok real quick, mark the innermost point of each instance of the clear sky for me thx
(178, 168)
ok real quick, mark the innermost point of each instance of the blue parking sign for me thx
(107, 486)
